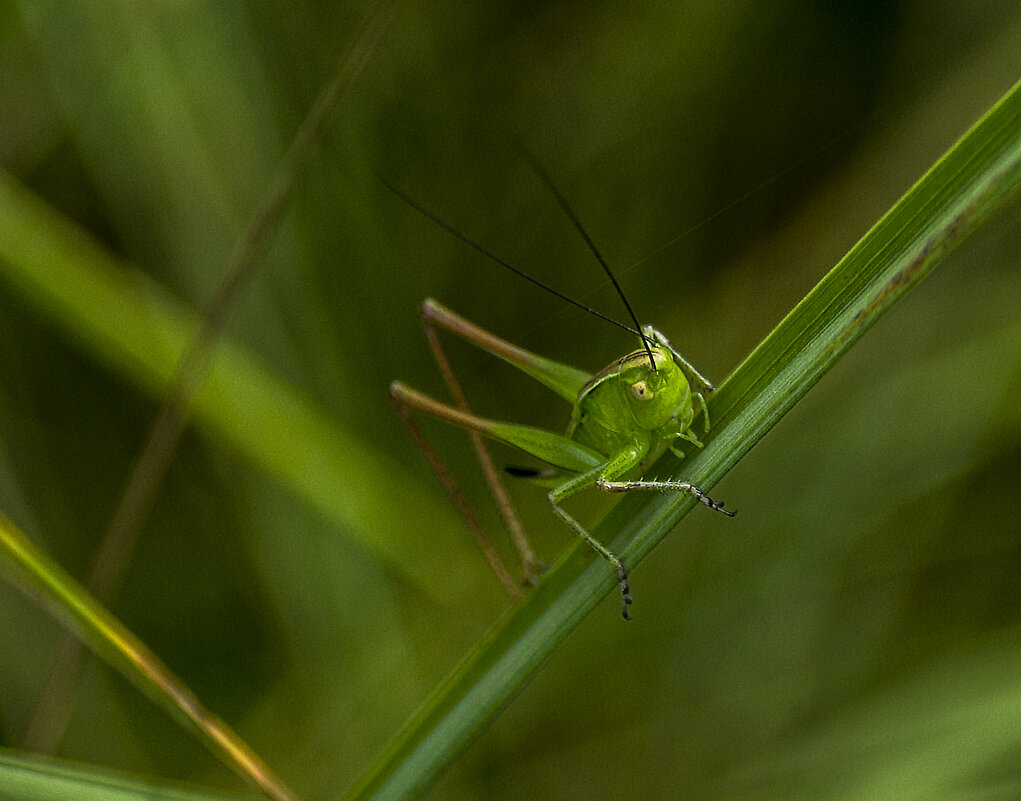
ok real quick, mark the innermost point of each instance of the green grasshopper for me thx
(622, 419)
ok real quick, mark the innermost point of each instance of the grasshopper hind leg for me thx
(433, 316)
(402, 399)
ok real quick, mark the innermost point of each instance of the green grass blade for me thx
(39, 576)
(981, 172)
(122, 317)
(36, 779)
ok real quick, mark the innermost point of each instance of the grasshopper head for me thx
(653, 396)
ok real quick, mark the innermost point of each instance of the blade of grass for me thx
(36, 779)
(981, 172)
(121, 317)
(37, 575)
(118, 543)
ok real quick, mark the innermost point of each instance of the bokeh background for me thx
(854, 632)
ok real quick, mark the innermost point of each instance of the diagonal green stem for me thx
(38, 575)
(980, 173)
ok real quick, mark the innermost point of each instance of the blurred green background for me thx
(854, 632)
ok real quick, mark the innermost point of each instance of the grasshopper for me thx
(622, 418)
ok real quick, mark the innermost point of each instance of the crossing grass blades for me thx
(622, 418)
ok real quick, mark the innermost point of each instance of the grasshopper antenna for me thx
(544, 176)
(516, 270)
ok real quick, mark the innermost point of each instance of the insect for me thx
(622, 419)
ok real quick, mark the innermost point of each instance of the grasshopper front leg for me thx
(599, 476)
(664, 486)
(575, 485)
(604, 477)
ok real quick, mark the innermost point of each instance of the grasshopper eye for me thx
(641, 391)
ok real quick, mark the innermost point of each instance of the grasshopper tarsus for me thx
(625, 590)
(532, 571)
(715, 505)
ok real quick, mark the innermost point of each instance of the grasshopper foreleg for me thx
(664, 486)
(570, 488)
